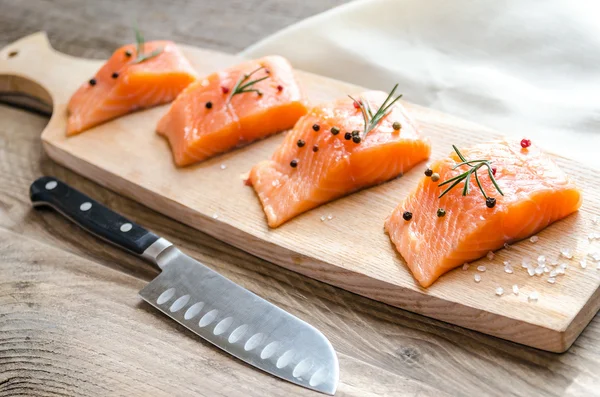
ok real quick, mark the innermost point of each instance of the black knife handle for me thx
(90, 214)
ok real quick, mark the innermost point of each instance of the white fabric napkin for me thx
(524, 67)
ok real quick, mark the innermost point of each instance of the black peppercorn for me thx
(335, 130)
(347, 136)
(301, 143)
(115, 75)
(441, 212)
(92, 81)
(407, 215)
(428, 172)
(127, 53)
(490, 202)
(208, 105)
(356, 138)
(315, 148)
(316, 127)
(294, 163)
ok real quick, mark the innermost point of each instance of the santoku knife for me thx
(225, 314)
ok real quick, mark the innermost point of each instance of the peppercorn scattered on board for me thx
(341, 242)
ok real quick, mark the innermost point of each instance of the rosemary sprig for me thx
(371, 120)
(244, 84)
(466, 176)
(141, 56)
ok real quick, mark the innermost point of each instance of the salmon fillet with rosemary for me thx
(232, 108)
(321, 159)
(435, 235)
(130, 81)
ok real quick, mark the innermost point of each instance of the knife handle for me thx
(90, 215)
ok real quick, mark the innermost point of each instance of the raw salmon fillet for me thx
(338, 166)
(536, 193)
(121, 86)
(203, 122)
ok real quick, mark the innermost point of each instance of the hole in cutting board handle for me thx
(12, 54)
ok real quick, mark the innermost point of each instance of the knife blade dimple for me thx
(243, 324)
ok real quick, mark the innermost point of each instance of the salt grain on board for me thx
(541, 259)
(551, 280)
(499, 291)
(223, 166)
(539, 271)
(477, 278)
(481, 268)
(566, 252)
(534, 296)
(534, 239)
(583, 263)
(515, 289)
(595, 256)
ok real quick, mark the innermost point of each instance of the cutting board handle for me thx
(31, 67)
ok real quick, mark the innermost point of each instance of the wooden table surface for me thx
(71, 322)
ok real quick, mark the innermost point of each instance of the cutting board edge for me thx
(555, 340)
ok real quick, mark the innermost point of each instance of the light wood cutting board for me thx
(350, 250)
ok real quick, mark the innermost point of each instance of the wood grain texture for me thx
(349, 251)
(384, 351)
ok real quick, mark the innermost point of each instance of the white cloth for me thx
(524, 67)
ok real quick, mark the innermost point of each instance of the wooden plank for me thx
(384, 351)
(349, 251)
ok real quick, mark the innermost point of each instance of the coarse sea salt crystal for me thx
(215, 215)
(499, 291)
(508, 269)
(583, 263)
(477, 278)
(553, 273)
(534, 296)
(551, 280)
(595, 256)
(525, 263)
(566, 252)
(539, 271)
(223, 166)
(329, 217)
(490, 255)
(534, 239)
(323, 218)
(481, 268)
(515, 289)
(531, 271)
(541, 259)
(465, 267)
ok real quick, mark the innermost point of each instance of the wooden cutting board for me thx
(341, 243)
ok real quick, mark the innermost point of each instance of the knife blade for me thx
(210, 305)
